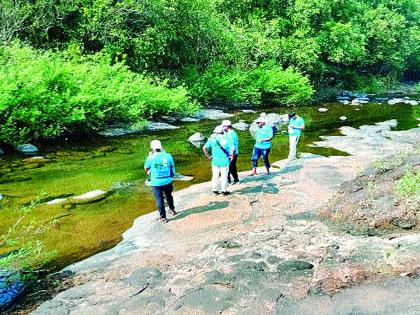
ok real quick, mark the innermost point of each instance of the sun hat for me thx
(156, 145)
(260, 120)
(291, 114)
(226, 122)
(218, 129)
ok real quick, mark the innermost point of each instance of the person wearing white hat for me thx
(263, 136)
(233, 138)
(222, 152)
(296, 125)
(161, 168)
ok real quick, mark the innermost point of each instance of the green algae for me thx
(95, 163)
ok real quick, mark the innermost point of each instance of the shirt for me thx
(297, 122)
(219, 158)
(261, 134)
(233, 138)
(162, 168)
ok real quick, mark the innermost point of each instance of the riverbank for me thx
(255, 251)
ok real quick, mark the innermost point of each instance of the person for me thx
(262, 147)
(222, 152)
(296, 125)
(161, 168)
(233, 138)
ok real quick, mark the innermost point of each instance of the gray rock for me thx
(57, 201)
(249, 111)
(241, 126)
(345, 102)
(228, 244)
(411, 102)
(322, 109)
(189, 119)
(294, 265)
(214, 114)
(27, 148)
(155, 126)
(405, 224)
(119, 131)
(396, 101)
(343, 118)
(144, 277)
(89, 197)
(197, 137)
(183, 178)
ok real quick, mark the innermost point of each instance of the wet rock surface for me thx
(261, 250)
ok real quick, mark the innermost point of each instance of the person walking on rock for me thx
(263, 136)
(222, 152)
(161, 168)
(233, 138)
(296, 125)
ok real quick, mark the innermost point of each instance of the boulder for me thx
(411, 102)
(57, 201)
(118, 131)
(243, 126)
(249, 111)
(343, 118)
(355, 102)
(27, 148)
(89, 197)
(361, 100)
(396, 101)
(36, 160)
(197, 137)
(322, 109)
(189, 119)
(155, 126)
(214, 114)
(344, 102)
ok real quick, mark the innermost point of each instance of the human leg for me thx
(233, 170)
(293, 141)
(265, 154)
(255, 156)
(223, 178)
(167, 190)
(157, 191)
(214, 178)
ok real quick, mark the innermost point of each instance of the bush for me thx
(45, 94)
(268, 83)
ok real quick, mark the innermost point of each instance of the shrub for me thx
(45, 94)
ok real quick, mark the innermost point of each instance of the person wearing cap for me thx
(161, 168)
(222, 152)
(296, 125)
(262, 147)
(233, 138)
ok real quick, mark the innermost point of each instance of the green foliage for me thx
(46, 95)
(408, 187)
(268, 83)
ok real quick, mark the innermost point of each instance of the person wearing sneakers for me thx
(222, 152)
(296, 125)
(262, 147)
(161, 168)
(233, 138)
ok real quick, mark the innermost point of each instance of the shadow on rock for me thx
(209, 207)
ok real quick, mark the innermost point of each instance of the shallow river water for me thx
(76, 232)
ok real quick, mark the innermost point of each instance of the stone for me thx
(294, 265)
(156, 126)
(213, 114)
(36, 160)
(405, 224)
(228, 244)
(355, 102)
(345, 102)
(361, 100)
(117, 131)
(396, 101)
(343, 118)
(89, 197)
(411, 102)
(1, 196)
(249, 111)
(241, 126)
(183, 178)
(189, 119)
(322, 109)
(1, 151)
(27, 148)
(57, 201)
(197, 137)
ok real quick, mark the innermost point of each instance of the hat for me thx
(226, 122)
(218, 129)
(291, 114)
(260, 120)
(156, 145)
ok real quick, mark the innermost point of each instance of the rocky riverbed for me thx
(264, 249)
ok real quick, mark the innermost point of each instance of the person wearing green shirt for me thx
(296, 125)
(233, 137)
(222, 152)
(263, 136)
(161, 168)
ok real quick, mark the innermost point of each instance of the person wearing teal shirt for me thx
(222, 152)
(263, 137)
(233, 137)
(296, 125)
(161, 168)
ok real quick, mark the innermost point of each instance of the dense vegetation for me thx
(234, 51)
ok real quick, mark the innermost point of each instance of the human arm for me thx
(147, 166)
(206, 153)
(172, 166)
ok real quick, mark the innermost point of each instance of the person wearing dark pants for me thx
(161, 168)
(263, 138)
(233, 138)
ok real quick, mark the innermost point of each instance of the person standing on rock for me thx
(263, 136)
(296, 125)
(222, 152)
(233, 138)
(161, 168)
